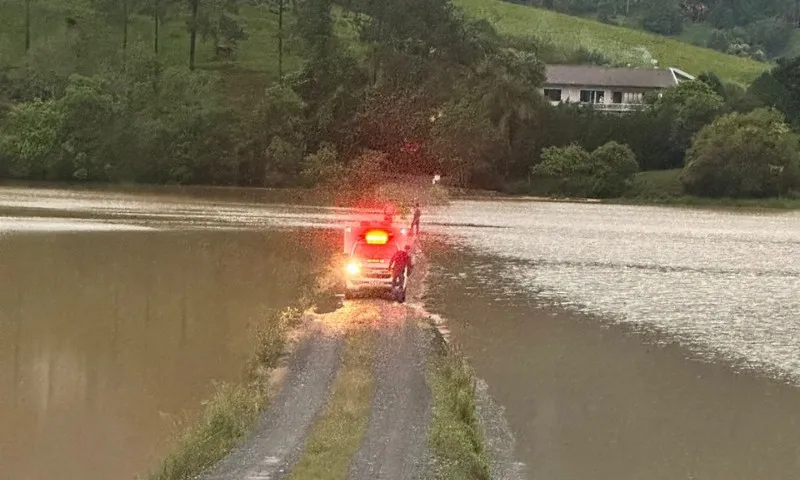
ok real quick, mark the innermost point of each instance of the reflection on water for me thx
(588, 401)
(107, 337)
(724, 282)
(79, 209)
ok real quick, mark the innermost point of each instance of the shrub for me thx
(606, 172)
(753, 155)
(614, 165)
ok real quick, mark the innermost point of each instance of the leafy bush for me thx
(606, 172)
(753, 155)
(614, 165)
(323, 167)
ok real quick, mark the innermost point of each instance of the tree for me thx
(274, 127)
(160, 10)
(687, 108)
(780, 89)
(314, 26)
(216, 20)
(279, 8)
(118, 12)
(753, 155)
(465, 142)
(193, 26)
(31, 139)
(712, 80)
(664, 17)
(27, 25)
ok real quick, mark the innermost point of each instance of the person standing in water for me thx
(415, 220)
(397, 265)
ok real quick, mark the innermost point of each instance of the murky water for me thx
(117, 310)
(589, 321)
(726, 283)
(114, 322)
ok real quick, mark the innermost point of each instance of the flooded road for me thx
(589, 323)
(113, 327)
(631, 342)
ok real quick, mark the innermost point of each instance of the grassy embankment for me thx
(455, 436)
(623, 45)
(664, 188)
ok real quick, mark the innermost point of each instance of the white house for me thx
(612, 89)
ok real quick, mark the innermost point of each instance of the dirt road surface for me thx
(395, 443)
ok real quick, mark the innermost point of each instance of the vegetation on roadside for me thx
(455, 435)
(231, 410)
(337, 434)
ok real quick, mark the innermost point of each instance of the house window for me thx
(616, 97)
(553, 94)
(592, 96)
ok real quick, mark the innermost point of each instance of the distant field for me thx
(256, 54)
(624, 45)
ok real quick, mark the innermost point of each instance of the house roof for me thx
(591, 75)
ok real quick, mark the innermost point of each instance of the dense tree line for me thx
(425, 90)
(759, 29)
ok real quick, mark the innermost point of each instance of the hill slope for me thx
(621, 44)
(258, 52)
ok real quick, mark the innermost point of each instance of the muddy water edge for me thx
(108, 338)
(587, 399)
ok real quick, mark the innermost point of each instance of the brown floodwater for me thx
(111, 332)
(631, 342)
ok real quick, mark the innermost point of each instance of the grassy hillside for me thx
(618, 43)
(257, 54)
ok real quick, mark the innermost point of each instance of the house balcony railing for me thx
(616, 107)
(610, 107)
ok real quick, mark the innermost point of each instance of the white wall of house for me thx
(601, 95)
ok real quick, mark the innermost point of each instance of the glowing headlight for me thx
(353, 268)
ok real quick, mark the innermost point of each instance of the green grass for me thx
(259, 52)
(657, 184)
(692, 201)
(623, 45)
(696, 33)
(455, 436)
(231, 410)
(663, 187)
(337, 434)
(256, 55)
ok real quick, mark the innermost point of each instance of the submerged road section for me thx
(357, 403)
